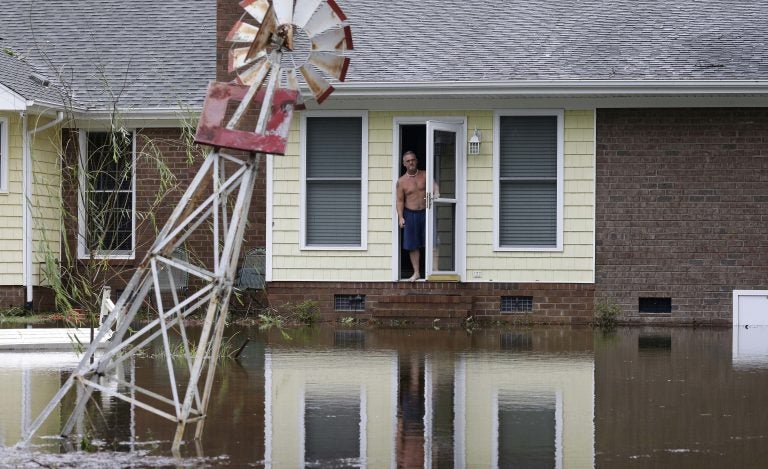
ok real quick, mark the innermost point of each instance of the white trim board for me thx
(742, 318)
(4, 155)
(497, 115)
(363, 180)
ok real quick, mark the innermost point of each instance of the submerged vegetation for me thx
(606, 314)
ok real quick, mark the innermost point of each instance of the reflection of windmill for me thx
(289, 40)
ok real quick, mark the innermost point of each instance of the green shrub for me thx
(606, 314)
(305, 312)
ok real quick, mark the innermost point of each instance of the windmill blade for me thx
(319, 85)
(238, 58)
(303, 11)
(264, 36)
(329, 15)
(256, 8)
(334, 65)
(242, 32)
(293, 84)
(338, 40)
(255, 74)
(283, 11)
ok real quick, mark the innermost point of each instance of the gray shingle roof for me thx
(152, 54)
(17, 75)
(142, 54)
(456, 40)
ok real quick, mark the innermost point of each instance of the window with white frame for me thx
(529, 172)
(334, 184)
(3, 154)
(107, 200)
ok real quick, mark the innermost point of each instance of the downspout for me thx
(26, 202)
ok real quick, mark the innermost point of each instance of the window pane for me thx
(334, 181)
(109, 197)
(332, 430)
(334, 147)
(333, 213)
(528, 213)
(109, 222)
(528, 181)
(528, 146)
(527, 430)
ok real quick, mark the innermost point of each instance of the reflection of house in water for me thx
(330, 406)
(750, 346)
(527, 411)
(524, 402)
(678, 397)
(27, 382)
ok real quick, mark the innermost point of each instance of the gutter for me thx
(26, 200)
(553, 88)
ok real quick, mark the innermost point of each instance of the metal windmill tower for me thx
(274, 43)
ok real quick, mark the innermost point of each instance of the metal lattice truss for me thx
(216, 203)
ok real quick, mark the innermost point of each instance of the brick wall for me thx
(552, 303)
(167, 145)
(682, 208)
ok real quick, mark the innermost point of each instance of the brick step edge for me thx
(425, 299)
(430, 313)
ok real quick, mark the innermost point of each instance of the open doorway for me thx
(413, 137)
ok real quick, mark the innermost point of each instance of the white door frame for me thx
(461, 188)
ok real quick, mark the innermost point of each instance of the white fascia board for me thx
(12, 101)
(555, 88)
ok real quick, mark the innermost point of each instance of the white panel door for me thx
(750, 308)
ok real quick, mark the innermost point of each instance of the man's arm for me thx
(400, 204)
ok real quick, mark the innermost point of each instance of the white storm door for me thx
(443, 152)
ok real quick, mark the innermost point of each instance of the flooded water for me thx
(323, 397)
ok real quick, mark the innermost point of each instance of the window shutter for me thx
(528, 214)
(334, 181)
(528, 181)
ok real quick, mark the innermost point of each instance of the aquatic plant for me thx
(606, 314)
(470, 324)
(305, 312)
(269, 319)
(348, 321)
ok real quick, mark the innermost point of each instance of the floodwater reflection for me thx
(541, 397)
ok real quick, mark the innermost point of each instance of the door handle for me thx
(428, 199)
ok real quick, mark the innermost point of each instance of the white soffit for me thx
(10, 101)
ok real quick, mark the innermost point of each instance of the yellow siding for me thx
(572, 380)
(295, 378)
(46, 200)
(574, 264)
(20, 398)
(11, 267)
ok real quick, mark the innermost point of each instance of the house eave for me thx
(554, 88)
(136, 117)
(11, 100)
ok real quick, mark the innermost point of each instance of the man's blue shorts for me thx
(414, 232)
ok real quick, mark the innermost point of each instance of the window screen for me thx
(333, 181)
(528, 181)
(108, 192)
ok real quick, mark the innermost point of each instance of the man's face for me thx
(410, 162)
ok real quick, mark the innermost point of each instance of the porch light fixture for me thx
(474, 143)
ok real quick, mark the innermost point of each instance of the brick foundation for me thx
(682, 209)
(450, 302)
(16, 297)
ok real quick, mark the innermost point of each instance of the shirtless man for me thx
(411, 209)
